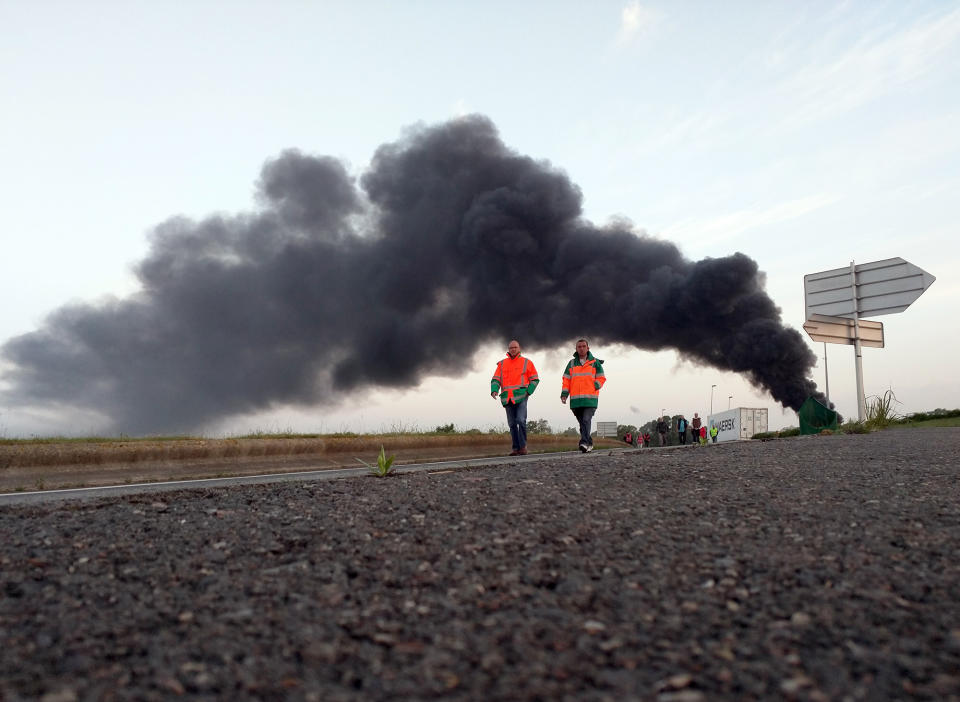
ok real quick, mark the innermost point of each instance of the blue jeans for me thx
(584, 415)
(517, 421)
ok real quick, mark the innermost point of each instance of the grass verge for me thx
(17, 453)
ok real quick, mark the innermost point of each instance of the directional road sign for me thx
(607, 429)
(840, 330)
(882, 287)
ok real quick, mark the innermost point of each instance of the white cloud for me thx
(728, 226)
(461, 108)
(685, 131)
(635, 19)
(872, 68)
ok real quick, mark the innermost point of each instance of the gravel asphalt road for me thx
(816, 568)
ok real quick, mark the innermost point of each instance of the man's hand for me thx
(563, 400)
(494, 394)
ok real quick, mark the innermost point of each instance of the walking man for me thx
(662, 430)
(682, 429)
(582, 380)
(514, 380)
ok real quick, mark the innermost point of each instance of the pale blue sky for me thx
(805, 135)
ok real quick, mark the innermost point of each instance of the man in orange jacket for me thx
(515, 380)
(582, 379)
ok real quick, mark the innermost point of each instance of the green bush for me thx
(538, 426)
(781, 434)
(938, 413)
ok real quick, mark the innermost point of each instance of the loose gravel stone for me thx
(818, 568)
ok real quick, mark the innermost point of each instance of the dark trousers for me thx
(517, 421)
(682, 433)
(584, 415)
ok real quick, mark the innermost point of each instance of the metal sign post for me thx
(826, 373)
(858, 349)
(836, 301)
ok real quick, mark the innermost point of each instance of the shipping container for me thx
(738, 423)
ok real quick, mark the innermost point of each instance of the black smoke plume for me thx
(449, 240)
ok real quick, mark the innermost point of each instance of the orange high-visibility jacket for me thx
(515, 378)
(583, 382)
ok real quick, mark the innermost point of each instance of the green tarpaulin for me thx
(815, 417)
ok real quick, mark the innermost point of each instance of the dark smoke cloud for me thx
(449, 240)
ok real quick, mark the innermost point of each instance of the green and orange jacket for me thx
(515, 378)
(582, 383)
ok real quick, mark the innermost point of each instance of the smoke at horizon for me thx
(449, 240)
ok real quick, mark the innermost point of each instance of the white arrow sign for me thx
(882, 287)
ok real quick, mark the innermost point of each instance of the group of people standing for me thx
(516, 378)
(637, 439)
(698, 430)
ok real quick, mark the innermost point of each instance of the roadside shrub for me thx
(938, 413)
(446, 428)
(538, 426)
(781, 434)
(880, 411)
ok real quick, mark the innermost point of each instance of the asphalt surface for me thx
(822, 568)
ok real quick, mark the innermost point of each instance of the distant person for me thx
(682, 429)
(646, 438)
(703, 436)
(514, 380)
(662, 430)
(628, 437)
(713, 433)
(695, 428)
(582, 379)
